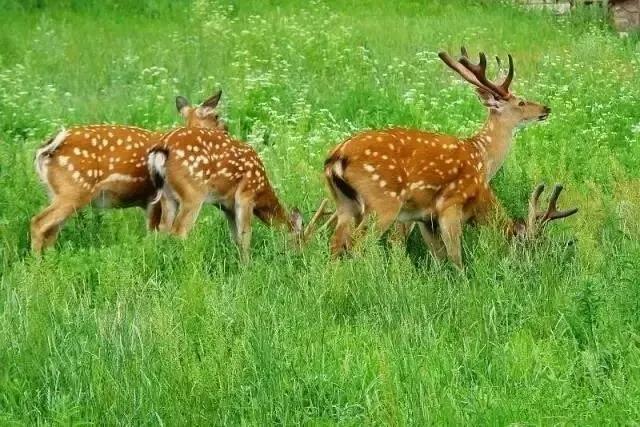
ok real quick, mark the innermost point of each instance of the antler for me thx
(507, 80)
(480, 71)
(476, 73)
(310, 229)
(536, 220)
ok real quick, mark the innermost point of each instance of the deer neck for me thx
(494, 142)
(271, 212)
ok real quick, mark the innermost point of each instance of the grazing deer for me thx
(193, 166)
(438, 181)
(106, 166)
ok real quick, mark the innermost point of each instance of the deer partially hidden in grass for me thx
(193, 166)
(106, 166)
(439, 181)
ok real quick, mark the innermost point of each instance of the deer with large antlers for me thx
(106, 166)
(193, 166)
(439, 181)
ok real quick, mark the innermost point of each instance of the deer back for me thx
(426, 172)
(220, 169)
(94, 158)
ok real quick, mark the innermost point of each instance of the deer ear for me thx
(182, 104)
(296, 221)
(489, 100)
(213, 101)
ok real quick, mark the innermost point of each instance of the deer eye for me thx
(521, 103)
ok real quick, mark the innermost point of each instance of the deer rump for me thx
(334, 170)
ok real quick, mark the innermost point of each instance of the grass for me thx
(118, 326)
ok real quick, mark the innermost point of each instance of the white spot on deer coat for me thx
(121, 177)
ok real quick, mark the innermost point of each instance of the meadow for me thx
(120, 326)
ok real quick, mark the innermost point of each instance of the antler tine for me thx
(470, 72)
(552, 212)
(332, 218)
(476, 73)
(553, 202)
(533, 209)
(480, 71)
(507, 81)
(460, 69)
(309, 229)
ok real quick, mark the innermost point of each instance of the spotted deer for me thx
(439, 181)
(106, 166)
(193, 166)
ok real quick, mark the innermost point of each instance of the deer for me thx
(105, 166)
(192, 166)
(438, 181)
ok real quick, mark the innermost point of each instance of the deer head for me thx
(204, 115)
(496, 97)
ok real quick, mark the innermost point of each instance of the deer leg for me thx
(400, 232)
(383, 223)
(231, 222)
(341, 240)
(348, 215)
(243, 216)
(45, 226)
(386, 211)
(433, 241)
(450, 222)
(186, 217)
(154, 216)
(37, 234)
(168, 207)
(51, 235)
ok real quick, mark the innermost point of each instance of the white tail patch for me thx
(44, 152)
(157, 197)
(157, 164)
(337, 169)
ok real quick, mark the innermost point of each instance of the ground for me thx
(117, 325)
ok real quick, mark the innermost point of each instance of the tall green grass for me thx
(120, 326)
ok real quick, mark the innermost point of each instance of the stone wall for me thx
(625, 14)
(558, 6)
